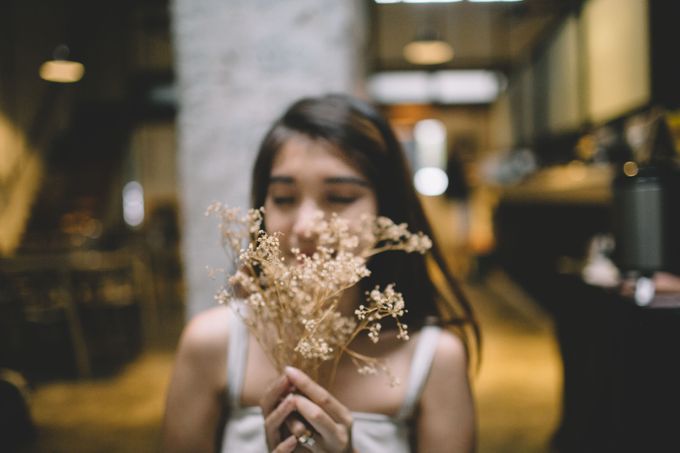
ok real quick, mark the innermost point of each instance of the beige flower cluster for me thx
(290, 301)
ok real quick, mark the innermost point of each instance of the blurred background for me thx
(525, 121)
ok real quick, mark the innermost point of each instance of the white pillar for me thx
(238, 65)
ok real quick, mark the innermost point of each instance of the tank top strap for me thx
(420, 369)
(237, 357)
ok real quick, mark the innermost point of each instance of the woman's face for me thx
(309, 176)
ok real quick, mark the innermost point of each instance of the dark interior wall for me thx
(663, 17)
(26, 106)
(28, 28)
(78, 133)
(62, 316)
(104, 36)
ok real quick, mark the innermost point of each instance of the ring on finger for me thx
(306, 439)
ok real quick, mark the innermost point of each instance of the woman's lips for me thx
(307, 251)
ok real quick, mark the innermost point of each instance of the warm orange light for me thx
(62, 71)
(576, 171)
(428, 52)
(630, 168)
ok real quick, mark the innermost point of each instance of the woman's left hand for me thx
(330, 419)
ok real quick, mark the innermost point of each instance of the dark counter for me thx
(621, 362)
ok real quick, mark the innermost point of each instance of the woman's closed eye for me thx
(283, 200)
(341, 199)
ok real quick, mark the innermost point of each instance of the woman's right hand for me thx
(277, 405)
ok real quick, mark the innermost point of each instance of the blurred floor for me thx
(519, 385)
(116, 414)
(517, 388)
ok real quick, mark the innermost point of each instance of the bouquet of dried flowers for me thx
(291, 305)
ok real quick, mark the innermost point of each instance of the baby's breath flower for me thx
(374, 332)
(291, 306)
(367, 370)
(222, 296)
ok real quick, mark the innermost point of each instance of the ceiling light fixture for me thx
(443, 87)
(431, 1)
(60, 69)
(384, 2)
(428, 49)
(416, 1)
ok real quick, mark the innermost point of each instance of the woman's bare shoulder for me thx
(451, 355)
(446, 421)
(206, 335)
(195, 395)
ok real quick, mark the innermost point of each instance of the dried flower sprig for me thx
(290, 302)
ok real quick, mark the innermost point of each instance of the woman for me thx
(334, 154)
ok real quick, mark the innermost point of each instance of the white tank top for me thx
(371, 432)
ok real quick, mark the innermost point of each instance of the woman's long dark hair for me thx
(361, 133)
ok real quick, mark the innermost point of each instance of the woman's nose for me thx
(304, 219)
